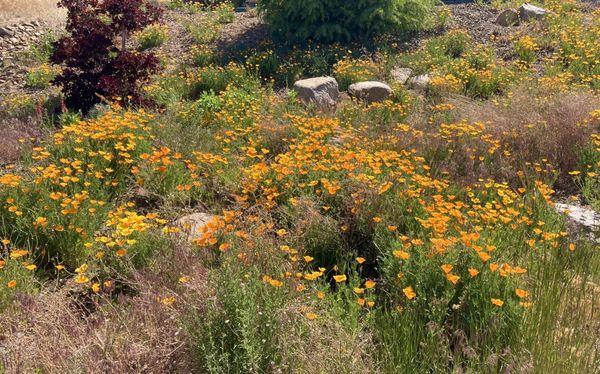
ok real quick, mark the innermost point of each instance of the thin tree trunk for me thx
(123, 39)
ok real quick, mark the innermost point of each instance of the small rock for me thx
(370, 91)
(584, 216)
(528, 11)
(192, 226)
(508, 17)
(401, 75)
(6, 31)
(420, 82)
(322, 91)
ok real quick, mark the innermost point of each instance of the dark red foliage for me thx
(93, 64)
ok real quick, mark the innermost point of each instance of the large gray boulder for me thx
(324, 92)
(420, 82)
(370, 91)
(583, 216)
(528, 12)
(508, 17)
(401, 75)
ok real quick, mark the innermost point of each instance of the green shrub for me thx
(526, 49)
(40, 51)
(204, 32)
(237, 332)
(225, 13)
(202, 55)
(41, 76)
(16, 274)
(343, 20)
(349, 71)
(152, 36)
(215, 79)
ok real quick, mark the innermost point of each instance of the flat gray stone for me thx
(420, 82)
(6, 32)
(581, 215)
(324, 92)
(401, 75)
(508, 17)
(528, 12)
(370, 91)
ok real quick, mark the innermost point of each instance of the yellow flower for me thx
(80, 279)
(473, 272)
(184, 279)
(18, 254)
(82, 269)
(121, 252)
(497, 302)
(360, 260)
(409, 293)
(484, 256)
(11, 284)
(402, 255)
(340, 278)
(370, 284)
(41, 221)
(521, 293)
(452, 278)
(308, 258)
(447, 268)
(168, 300)
(311, 316)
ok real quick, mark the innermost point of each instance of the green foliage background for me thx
(343, 20)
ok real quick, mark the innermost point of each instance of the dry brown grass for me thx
(536, 126)
(61, 332)
(16, 10)
(326, 347)
(16, 135)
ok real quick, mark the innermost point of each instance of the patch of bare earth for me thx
(17, 11)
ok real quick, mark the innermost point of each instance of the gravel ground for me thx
(17, 11)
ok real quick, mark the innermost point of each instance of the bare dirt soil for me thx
(15, 11)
